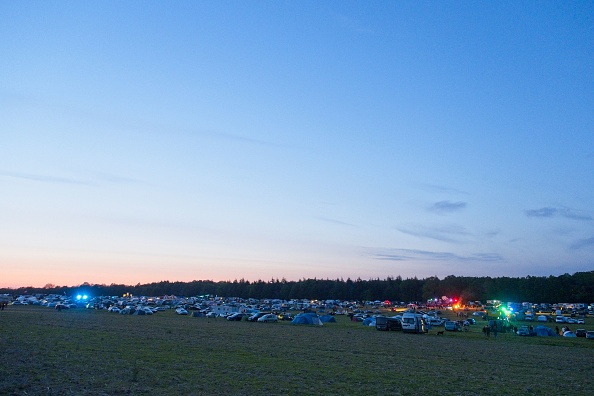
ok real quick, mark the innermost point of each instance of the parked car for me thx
(590, 335)
(388, 323)
(268, 318)
(436, 322)
(523, 331)
(580, 321)
(560, 319)
(257, 316)
(181, 311)
(237, 316)
(450, 325)
(580, 333)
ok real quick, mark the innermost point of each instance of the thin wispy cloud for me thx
(542, 212)
(446, 207)
(415, 254)
(583, 243)
(44, 178)
(238, 138)
(141, 125)
(91, 178)
(445, 233)
(549, 212)
(435, 188)
(492, 233)
(334, 221)
(115, 179)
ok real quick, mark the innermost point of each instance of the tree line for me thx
(578, 287)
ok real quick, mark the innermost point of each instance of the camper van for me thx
(413, 323)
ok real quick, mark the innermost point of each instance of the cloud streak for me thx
(583, 243)
(43, 178)
(334, 221)
(93, 178)
(434, 188)
(550, 212)
(419, 255)
(445, 233)
(446, 207)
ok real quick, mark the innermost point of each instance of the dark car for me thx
(580, 333)
(237, 316)
(256, 316)
(388, 323)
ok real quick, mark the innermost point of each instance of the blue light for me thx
(85, 297)
(78, 297)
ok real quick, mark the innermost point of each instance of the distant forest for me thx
(578, 287)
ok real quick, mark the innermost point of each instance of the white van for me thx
(413, 323)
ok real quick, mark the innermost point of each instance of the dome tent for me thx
(544, 331)
(307, 318)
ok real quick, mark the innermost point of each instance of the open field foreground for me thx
(89, 352)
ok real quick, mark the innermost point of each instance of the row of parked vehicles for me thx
(412, 322)
(265, 317)
(565, 319)
(262, 317)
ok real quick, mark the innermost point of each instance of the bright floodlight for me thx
(85, 297)
(78, 297)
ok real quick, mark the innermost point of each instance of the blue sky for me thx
(146, 141)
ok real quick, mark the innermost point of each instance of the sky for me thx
(143, 141)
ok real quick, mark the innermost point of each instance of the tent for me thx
(328, 319)
(307, 318)
(369, 322)
(544, 331)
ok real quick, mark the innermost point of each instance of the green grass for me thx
(88, 352)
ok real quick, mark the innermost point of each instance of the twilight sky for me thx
(143, 141)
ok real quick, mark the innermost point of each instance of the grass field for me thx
(89, 352)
